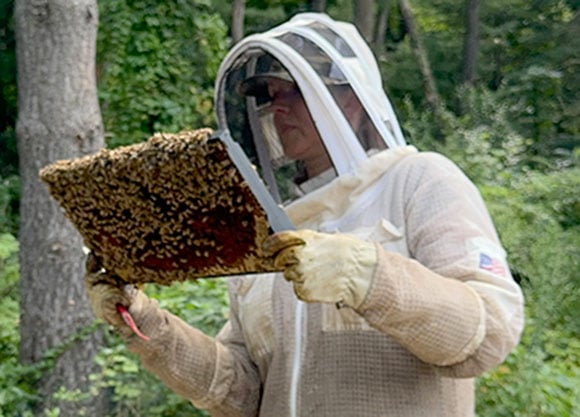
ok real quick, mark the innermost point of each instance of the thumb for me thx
(281, 241)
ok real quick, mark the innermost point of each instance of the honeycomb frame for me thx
(169, 209)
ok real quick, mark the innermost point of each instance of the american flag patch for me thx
(491, 264)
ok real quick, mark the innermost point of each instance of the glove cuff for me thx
(361, 277)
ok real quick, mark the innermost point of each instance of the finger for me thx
(281, 240)
(93, 264)
(294, 275)
(103, 277)
(92, 279)
(109, 296)
(288, 257)
(130, 290)
(104, 299)
(300, 293)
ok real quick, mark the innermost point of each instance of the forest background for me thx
(506, 109)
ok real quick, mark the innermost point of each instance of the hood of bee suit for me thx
(321, 56)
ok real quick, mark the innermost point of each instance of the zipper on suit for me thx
(299, 316)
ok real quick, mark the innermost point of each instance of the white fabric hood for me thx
(342, 56)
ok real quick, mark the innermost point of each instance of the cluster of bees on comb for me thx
(169, 209)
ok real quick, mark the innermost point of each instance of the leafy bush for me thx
(17, 391)
(157, 63)
(540, 377)
(533, 382)
(537, 216)
(9, 203)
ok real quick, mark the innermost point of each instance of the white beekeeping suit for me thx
(372, 191)
(407, 295)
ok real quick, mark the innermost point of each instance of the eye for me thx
(287, 93)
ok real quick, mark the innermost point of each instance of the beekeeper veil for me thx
(324, 65)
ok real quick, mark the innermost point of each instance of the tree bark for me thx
(364, 18)
(431, 92)
(319, 5)
(59, 118)
(382, 26)
(471, 42)
(238, 15)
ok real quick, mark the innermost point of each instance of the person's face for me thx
(293, 122)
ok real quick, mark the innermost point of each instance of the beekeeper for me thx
(397, 290)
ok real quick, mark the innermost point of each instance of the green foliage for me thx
(529, 61)
(157, 63)
(8, 92)
(9, 193)
(9, 203)
(542, 119)
(401, 75)
(8, 295)
(203, 303)
(559, 192)
(483, 142)
(542, 241)
(541, 234)
(17, 391)
(525, 57)
(136, 392)
(533, 382)
(259, 20)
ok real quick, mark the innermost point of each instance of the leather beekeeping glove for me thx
(326, 268)
(111, 298)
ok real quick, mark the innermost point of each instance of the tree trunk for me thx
(382, 26)
(319, 5)
(238, 14)
(431, 92)
(364, 18)
(59, 118)
(471, 42)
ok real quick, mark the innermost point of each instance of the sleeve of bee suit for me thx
(453, 303)
(214, 374)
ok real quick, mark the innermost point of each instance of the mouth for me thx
(283, 125)
(284, 128)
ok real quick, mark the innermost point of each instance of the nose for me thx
(283, 95)
(280, 105)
